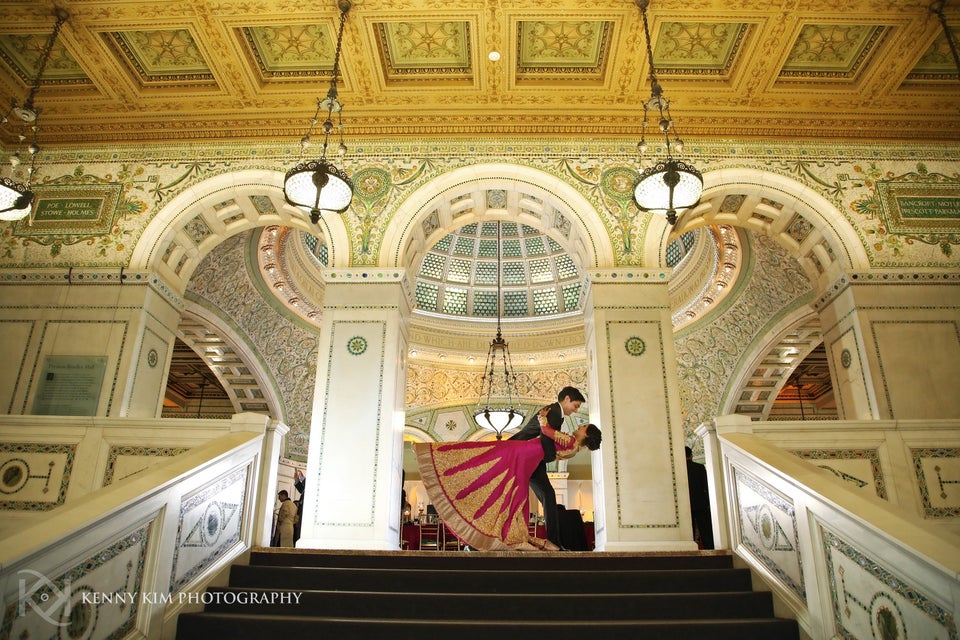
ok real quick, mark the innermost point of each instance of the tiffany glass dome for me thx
(458, 276)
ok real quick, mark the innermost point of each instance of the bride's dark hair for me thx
(593, 438)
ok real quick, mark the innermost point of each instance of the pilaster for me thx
(640, 484)
(355, 458)
(893, 343)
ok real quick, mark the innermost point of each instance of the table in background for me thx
(410, 536)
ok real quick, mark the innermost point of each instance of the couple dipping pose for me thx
(481, 489)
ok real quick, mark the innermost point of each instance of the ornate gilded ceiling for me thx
(128, 72)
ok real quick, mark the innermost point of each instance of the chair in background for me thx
(431, 536)
(450, 541)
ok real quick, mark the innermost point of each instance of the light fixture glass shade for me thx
(667, 187)
(498, 419)
(15, 200)
(318, 186)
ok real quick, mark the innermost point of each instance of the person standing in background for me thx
(286, 518)
(699, 500)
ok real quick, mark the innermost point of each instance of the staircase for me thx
(466, 596)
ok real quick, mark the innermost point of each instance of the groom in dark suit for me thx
(568, 401)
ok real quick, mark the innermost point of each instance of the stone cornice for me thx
(884, 278)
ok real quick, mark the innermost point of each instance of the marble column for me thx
(893, 344)
(355, 456)
(640, 492)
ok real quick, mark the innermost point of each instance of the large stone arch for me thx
(754, 387)
(808, 225)
(811, 229)
(189, 228)
(204, 215)
(458, 197)
(235, 364)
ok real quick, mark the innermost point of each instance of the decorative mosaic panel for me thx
(916, 204)
(71, 604)
(768, 527)
(88, 209)
(210, 522)
(871, 601)
(125, 461)
(938, 475)
(34, 476)
(198, 230)
(860, 467)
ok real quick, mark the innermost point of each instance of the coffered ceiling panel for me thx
(827, 51)
(424, 51)
(166, 56)
(563, 50)
(699, 48)
(128, 71)
(291, 51)
(21, 56)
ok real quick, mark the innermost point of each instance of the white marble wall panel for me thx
(211, 519)
(870, 600)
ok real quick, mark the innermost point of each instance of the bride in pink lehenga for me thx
(481, 489)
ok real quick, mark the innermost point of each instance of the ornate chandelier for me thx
(319, 185)
(16, 198)
(670, 185)
(496, 410)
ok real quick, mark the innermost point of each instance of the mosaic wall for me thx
(938, 475)
(874, 188)
(872, 601)
(287, 348)
(34, 476)
(708, 355)
(73, 601)
(429, 386)
(211, 519)
(768, 528)
(858, 467)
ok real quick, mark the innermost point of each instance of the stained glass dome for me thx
(458, 276)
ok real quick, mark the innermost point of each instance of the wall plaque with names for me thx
(69, 386)
(87, 209)
(919, 207)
